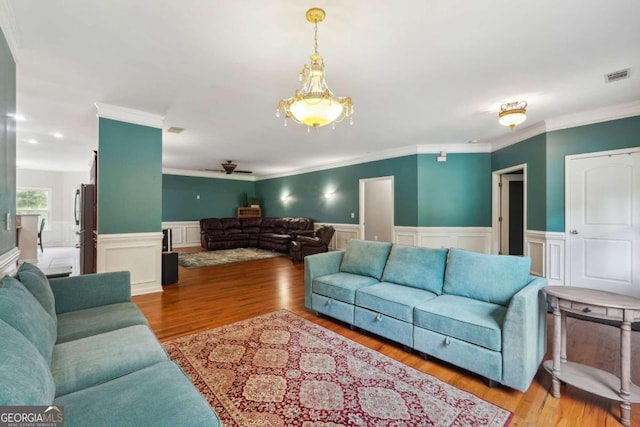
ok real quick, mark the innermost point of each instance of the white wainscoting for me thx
(547, 253)
(138, 253)
(8, 261)
(344, 233)
(183, 233)
(476, 239)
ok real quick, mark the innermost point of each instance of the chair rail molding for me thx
(8, 261)
(184, 234)
(138, 253)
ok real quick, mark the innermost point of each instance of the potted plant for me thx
(245, 200)
(255, 202)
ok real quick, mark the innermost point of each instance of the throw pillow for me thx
(365, 257)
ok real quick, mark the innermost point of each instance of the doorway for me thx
(603, 221)
(509, 210)
(376, 208)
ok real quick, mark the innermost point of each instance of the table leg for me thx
(563, 335)
(625, 372)
(558, 347)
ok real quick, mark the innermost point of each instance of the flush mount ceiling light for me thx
(314, 105)
(512, 113)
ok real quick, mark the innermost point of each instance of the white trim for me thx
(547, 252)
(479, 147)
(476, 239)
(518, 135)
(208, 174)
(129, 115)
(138, 253)
(344, 233)
(10, 28)
(495, 205)
(599, 115)
(8, 261)
(184, 234)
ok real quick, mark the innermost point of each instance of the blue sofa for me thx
(80, 343)
(484, 313)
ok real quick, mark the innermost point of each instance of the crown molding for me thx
(513, 137)
(207, 174)
(9, 28)
(613, 112)
(129, 115)
(466, 147)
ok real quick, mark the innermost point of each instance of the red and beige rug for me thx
(282, 370)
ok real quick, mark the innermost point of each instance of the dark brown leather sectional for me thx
(264, 233)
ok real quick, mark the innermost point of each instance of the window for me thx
(34, 201)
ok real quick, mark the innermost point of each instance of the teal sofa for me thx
(484, 313)
(81, 344)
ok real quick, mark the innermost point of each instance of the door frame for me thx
(495, 207)
(505, 225)
(363, 181)
(567, 198)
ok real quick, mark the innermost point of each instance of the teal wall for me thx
(531, 151)
(219, 198)
(7, 146)
(129, 178)
(306, 192)
(612, 135)
(455, 193)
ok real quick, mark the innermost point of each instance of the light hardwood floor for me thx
(209, 297)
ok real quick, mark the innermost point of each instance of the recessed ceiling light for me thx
(57, 135)
(32, 141)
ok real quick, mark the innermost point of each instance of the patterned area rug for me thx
(224, 256)
(282, 370)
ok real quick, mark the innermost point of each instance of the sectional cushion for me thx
(341, 286)
(365, 257)
(466, 319)
(490, 278)
(159, 395)
(24, 373)
(91, 321)
(100, 358)
(37, 283)
(421, 268)
(396, 301)
(23, 312)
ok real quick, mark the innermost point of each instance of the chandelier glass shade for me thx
(314, 105)
(512, 114)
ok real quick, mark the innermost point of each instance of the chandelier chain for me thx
(315, 37)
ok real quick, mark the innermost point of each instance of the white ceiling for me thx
(420, 72)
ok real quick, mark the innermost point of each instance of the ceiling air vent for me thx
(174, 129)
(617, 75)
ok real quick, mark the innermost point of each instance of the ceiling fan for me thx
(230, 167)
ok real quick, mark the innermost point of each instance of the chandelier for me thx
(314, 104)
(512, 114)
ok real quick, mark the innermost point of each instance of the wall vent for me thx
(174, 129)
(617, 75)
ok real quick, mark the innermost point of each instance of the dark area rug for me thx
(224, 256)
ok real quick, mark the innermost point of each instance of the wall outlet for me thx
(375, 237)
(8, 221)
(198, 196)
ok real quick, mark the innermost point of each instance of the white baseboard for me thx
(184, 234)
(138, 253)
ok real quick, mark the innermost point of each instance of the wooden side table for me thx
(593, 305)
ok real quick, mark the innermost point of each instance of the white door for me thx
(376, 207)
(604, 222)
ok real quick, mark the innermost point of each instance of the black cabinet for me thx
(169, 268)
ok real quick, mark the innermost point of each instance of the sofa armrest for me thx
(524, 335)
(91, 290)
(319, 265)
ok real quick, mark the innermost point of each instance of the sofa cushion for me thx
(341, 286)
(365, 258)
(37, 283)
(466, 319)
(92, 321)
(100, 358)
(394, 300)
(20, 309)
(490, 278)
(159, 395)
(421, 268)
(211, 226)
(24, 374)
